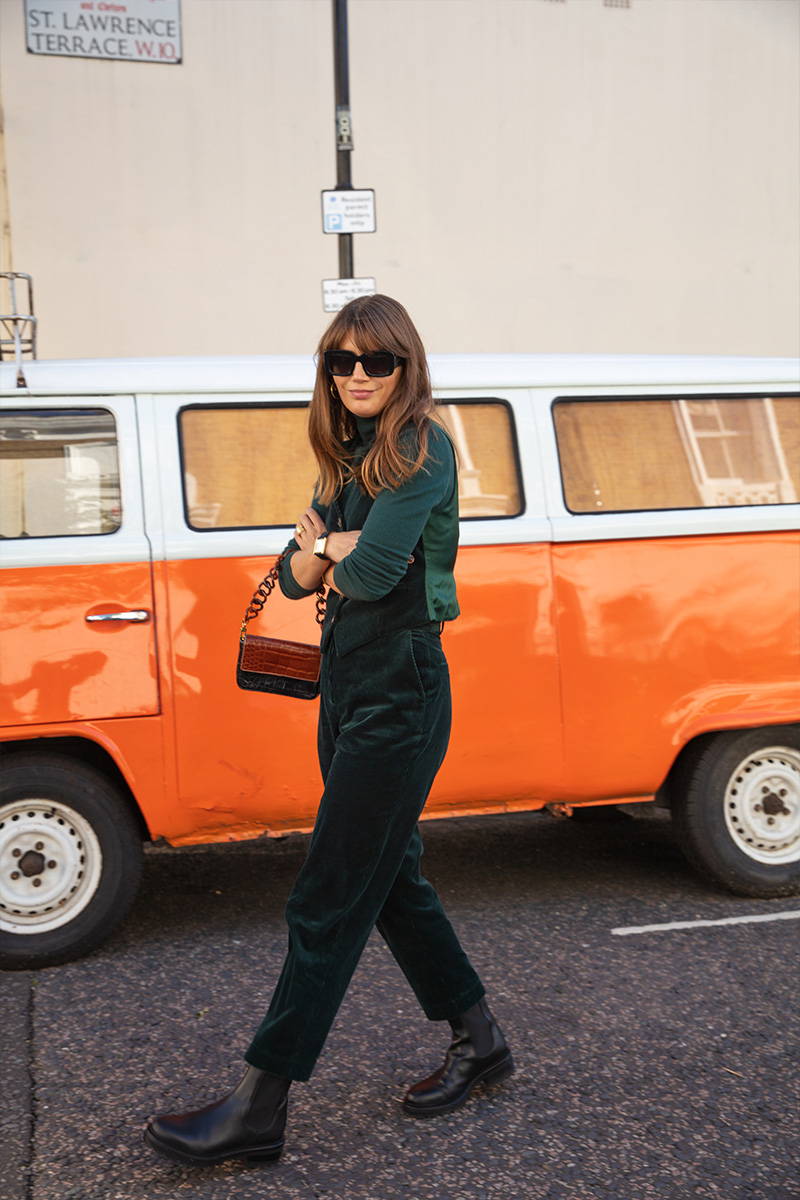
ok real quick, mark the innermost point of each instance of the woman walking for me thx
(381, 533)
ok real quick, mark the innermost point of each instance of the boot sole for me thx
(257, 1154)
(493, 1074)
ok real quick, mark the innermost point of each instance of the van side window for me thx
(489, 481)
(59, 473)
(252, 467)
(245, 467)
(684, 452)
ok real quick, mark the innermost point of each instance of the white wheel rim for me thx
(50, 865)
(762, 805)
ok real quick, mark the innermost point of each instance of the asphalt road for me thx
(659, 1066)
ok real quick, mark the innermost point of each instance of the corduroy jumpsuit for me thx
(383, 730)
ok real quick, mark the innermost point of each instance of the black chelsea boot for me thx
(248, 1123)
(477, 1054)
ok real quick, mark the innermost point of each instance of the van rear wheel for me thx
(737, 810)
(70, 860)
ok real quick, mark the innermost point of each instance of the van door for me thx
(222, 492)
(506, 746)
(77, 629)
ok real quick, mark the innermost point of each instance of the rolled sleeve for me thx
(286, 580)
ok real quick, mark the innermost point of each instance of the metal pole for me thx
(344, 132)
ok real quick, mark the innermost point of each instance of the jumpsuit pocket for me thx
(429, 661)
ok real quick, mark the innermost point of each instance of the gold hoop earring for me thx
(334, 394)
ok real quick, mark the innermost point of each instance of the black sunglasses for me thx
(377, 363)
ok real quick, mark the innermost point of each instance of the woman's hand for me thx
(308, 528)
(339, 545)
(305, 566)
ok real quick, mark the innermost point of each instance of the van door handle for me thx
(136, 614)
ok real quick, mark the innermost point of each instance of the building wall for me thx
(554, 175)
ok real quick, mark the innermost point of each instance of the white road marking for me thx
(624, 930)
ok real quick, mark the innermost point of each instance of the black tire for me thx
(64, 824)
(736, 809)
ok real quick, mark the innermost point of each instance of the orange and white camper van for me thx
(629, 578)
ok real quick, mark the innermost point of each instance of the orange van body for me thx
(594, 651)
(598, 713)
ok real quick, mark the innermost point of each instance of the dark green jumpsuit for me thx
(384, 725)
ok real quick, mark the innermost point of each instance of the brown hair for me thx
(374, 323)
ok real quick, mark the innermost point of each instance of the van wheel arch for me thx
(71, 857)
(734, 796)
(81, 750)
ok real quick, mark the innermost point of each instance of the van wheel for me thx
(70, 860)
(737, 810)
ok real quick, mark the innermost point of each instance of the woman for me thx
(382, 533)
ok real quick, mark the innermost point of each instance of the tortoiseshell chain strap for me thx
(262, 594)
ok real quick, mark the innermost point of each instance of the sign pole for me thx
(345, 210)
(344, 131)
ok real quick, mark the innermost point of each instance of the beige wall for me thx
(551, 175)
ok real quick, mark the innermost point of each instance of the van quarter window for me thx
(251, 466)
(685, 452)
(59, 473)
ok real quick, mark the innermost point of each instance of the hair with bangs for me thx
(373, 323)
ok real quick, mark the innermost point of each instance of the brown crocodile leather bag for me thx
(271, 664)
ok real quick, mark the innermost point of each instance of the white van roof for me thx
(295, 373)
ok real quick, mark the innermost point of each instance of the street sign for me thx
(136, 30)
(337, 292)
(349, 210)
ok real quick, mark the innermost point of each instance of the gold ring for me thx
(298, 528)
